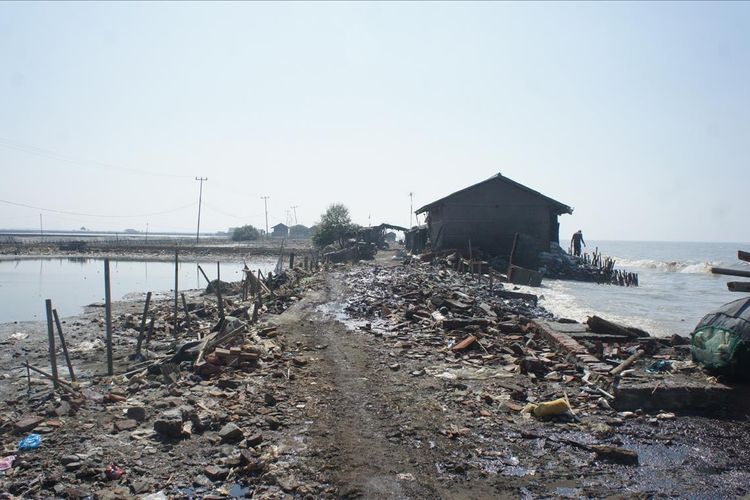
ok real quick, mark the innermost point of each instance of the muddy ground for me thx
(337, 408)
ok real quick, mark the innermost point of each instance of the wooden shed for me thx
(490, 214)
(280, 231)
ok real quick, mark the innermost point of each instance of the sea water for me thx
(72, 283)
(676, 288)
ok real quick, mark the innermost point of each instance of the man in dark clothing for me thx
(576, 242)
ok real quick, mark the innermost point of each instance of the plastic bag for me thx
(30, 442)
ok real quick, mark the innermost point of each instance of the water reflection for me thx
(75, 282)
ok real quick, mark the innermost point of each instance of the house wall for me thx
(489, 215)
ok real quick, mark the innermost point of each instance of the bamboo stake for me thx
(143, 324)
(63, 345)
(187, 313)
(176, 287)
(108, 316)
(51, 340)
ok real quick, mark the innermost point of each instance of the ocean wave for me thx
(675, 266)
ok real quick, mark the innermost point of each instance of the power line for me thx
(79, 214)
(26, 148)
(235, 216)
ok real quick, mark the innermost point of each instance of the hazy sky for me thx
(636, 114)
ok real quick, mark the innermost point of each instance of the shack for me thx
(488, 215)
(280, 231)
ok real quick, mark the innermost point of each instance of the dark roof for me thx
(280, 225)
(561, 207)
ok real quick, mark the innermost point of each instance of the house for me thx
(280, 231)
(488, 215)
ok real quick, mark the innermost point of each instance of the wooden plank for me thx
(601, 325)
(730, 272)
(739, 286)
(743, 255)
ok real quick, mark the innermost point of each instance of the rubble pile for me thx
(198, 413)
(502, 357)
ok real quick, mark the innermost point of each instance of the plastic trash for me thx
(548, 408)
(660, 366)
(113, 472)
(30, 442)
(7, 462)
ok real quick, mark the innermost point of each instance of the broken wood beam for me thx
(601, 325)
(58, 383)
(730, 272)
(743, 255)
(739, 286)
(627, 363)
(504, 294)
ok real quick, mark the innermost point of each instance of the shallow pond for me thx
(72, 283)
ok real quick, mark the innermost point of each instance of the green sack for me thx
(715, 348)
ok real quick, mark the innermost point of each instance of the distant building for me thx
(488, 215)
(280, 231)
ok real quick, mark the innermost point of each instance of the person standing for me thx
(576, 241)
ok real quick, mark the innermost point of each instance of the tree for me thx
(245, 233)
(335, 225)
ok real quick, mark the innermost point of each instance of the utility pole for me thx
(411, 208)
(147, 231)
(265, 204)
(200, 199)
(41, 227)
(295, 213)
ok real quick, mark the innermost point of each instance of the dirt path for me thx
(372, 432)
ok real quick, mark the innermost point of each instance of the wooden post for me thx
(217, 291)
(513, 250)
(306, 262)
(291, 260)
(256, 307)
(218, 270)
(490, 277)
(63, 345)
(150, 330)
(142, 330)
(108, 316)
(28, 376)
(51, 340)
(176, 278)
(187, 313)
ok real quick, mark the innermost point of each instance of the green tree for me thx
(334, 226)
(245, 233)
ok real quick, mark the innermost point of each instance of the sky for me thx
(635, 114)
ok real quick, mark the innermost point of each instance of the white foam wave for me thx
(675, 266)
